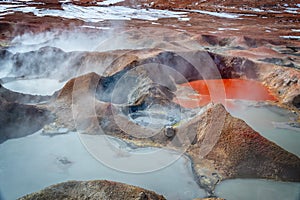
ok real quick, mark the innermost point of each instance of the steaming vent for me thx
(145, 100)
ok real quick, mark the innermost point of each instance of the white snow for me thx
(184, 19)
(96, 27)
(217, 14)
(295, 30)
(295, 37)
(65, 1)
(257, 10)
(108, 2)
(155, 23)
(8, 7)
(97, 13)
(292, 10)
(229, 29)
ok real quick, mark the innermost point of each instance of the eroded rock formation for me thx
(93, 190)
(219, 145)
(229, 148)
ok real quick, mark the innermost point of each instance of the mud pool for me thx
(266, 120)
(31, 163)
(49, 160)
(42, 86)
(248, 189)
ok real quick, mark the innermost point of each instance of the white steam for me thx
(73, 40)
(35, 86)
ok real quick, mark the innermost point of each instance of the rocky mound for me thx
(159, 65)
(93, 190)
(221, 146)
(285, 81)
(226, 147)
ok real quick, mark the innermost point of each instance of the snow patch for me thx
(292, 37)
(108, 2)
(96, 27)
(97, 13)
(217, 14)
(295, 30)
(228, 29)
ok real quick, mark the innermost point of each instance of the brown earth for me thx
(229, 148)
(219, 149)
(250, 47)
(212, 4)
(93, 190)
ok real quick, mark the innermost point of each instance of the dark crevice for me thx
(296, 101)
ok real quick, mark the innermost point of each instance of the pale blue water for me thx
(255, 189)
(262, 118)
(31, 163)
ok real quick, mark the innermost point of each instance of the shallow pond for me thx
(256, 189)
(41, 86)
(31, 163)
(264, 119)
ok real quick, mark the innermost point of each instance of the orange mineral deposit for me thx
(220, 90)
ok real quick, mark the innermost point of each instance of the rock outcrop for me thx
(93, 190)
(219, 145)
(226, 147)
(285, 81)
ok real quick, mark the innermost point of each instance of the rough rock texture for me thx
(76, 98)
(87, 103)
(160, 65)
(217, 5)
(285, 81)
(253, 43)
(93, 190)
(220, 149)
(77, 106)
(229, 148)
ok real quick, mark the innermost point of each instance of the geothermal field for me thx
(150, 99)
